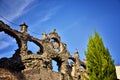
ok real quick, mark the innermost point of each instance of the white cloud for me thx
(48, 15)
(12, 9)
(1, 35)
(4, 44)
(21, 9)
(5, 41)
(71, 26)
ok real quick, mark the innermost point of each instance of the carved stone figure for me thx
(23, 28)
(44, 36)
(77, 60)
(73, 71)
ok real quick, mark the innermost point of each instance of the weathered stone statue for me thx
(24, 65)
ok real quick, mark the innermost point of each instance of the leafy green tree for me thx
(100, 65)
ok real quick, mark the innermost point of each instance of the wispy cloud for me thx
(21, 9)
(71, 26)
(12, 9)
(7, 45)
(48, 15)
(4, 44)
(5, 41)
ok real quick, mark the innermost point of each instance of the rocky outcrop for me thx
(24, 65)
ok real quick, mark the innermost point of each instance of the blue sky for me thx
(75, 21)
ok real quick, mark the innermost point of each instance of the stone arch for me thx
(32, 47)
(7, 45)
(55, 39)
(55, 44)
(81, 62)
(58, 61)
(70, 60)
(7, 30)
(55, 66)
(38, 43)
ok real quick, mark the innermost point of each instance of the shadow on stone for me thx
(13, 65)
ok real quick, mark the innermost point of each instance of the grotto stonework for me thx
(24, 65)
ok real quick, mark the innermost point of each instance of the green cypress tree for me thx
(100, 65)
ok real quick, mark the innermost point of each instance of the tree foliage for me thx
(100, 65)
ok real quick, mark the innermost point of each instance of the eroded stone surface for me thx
(24, 65)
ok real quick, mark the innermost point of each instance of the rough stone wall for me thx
(24, 65)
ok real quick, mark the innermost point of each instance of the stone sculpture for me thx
(39, 66)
